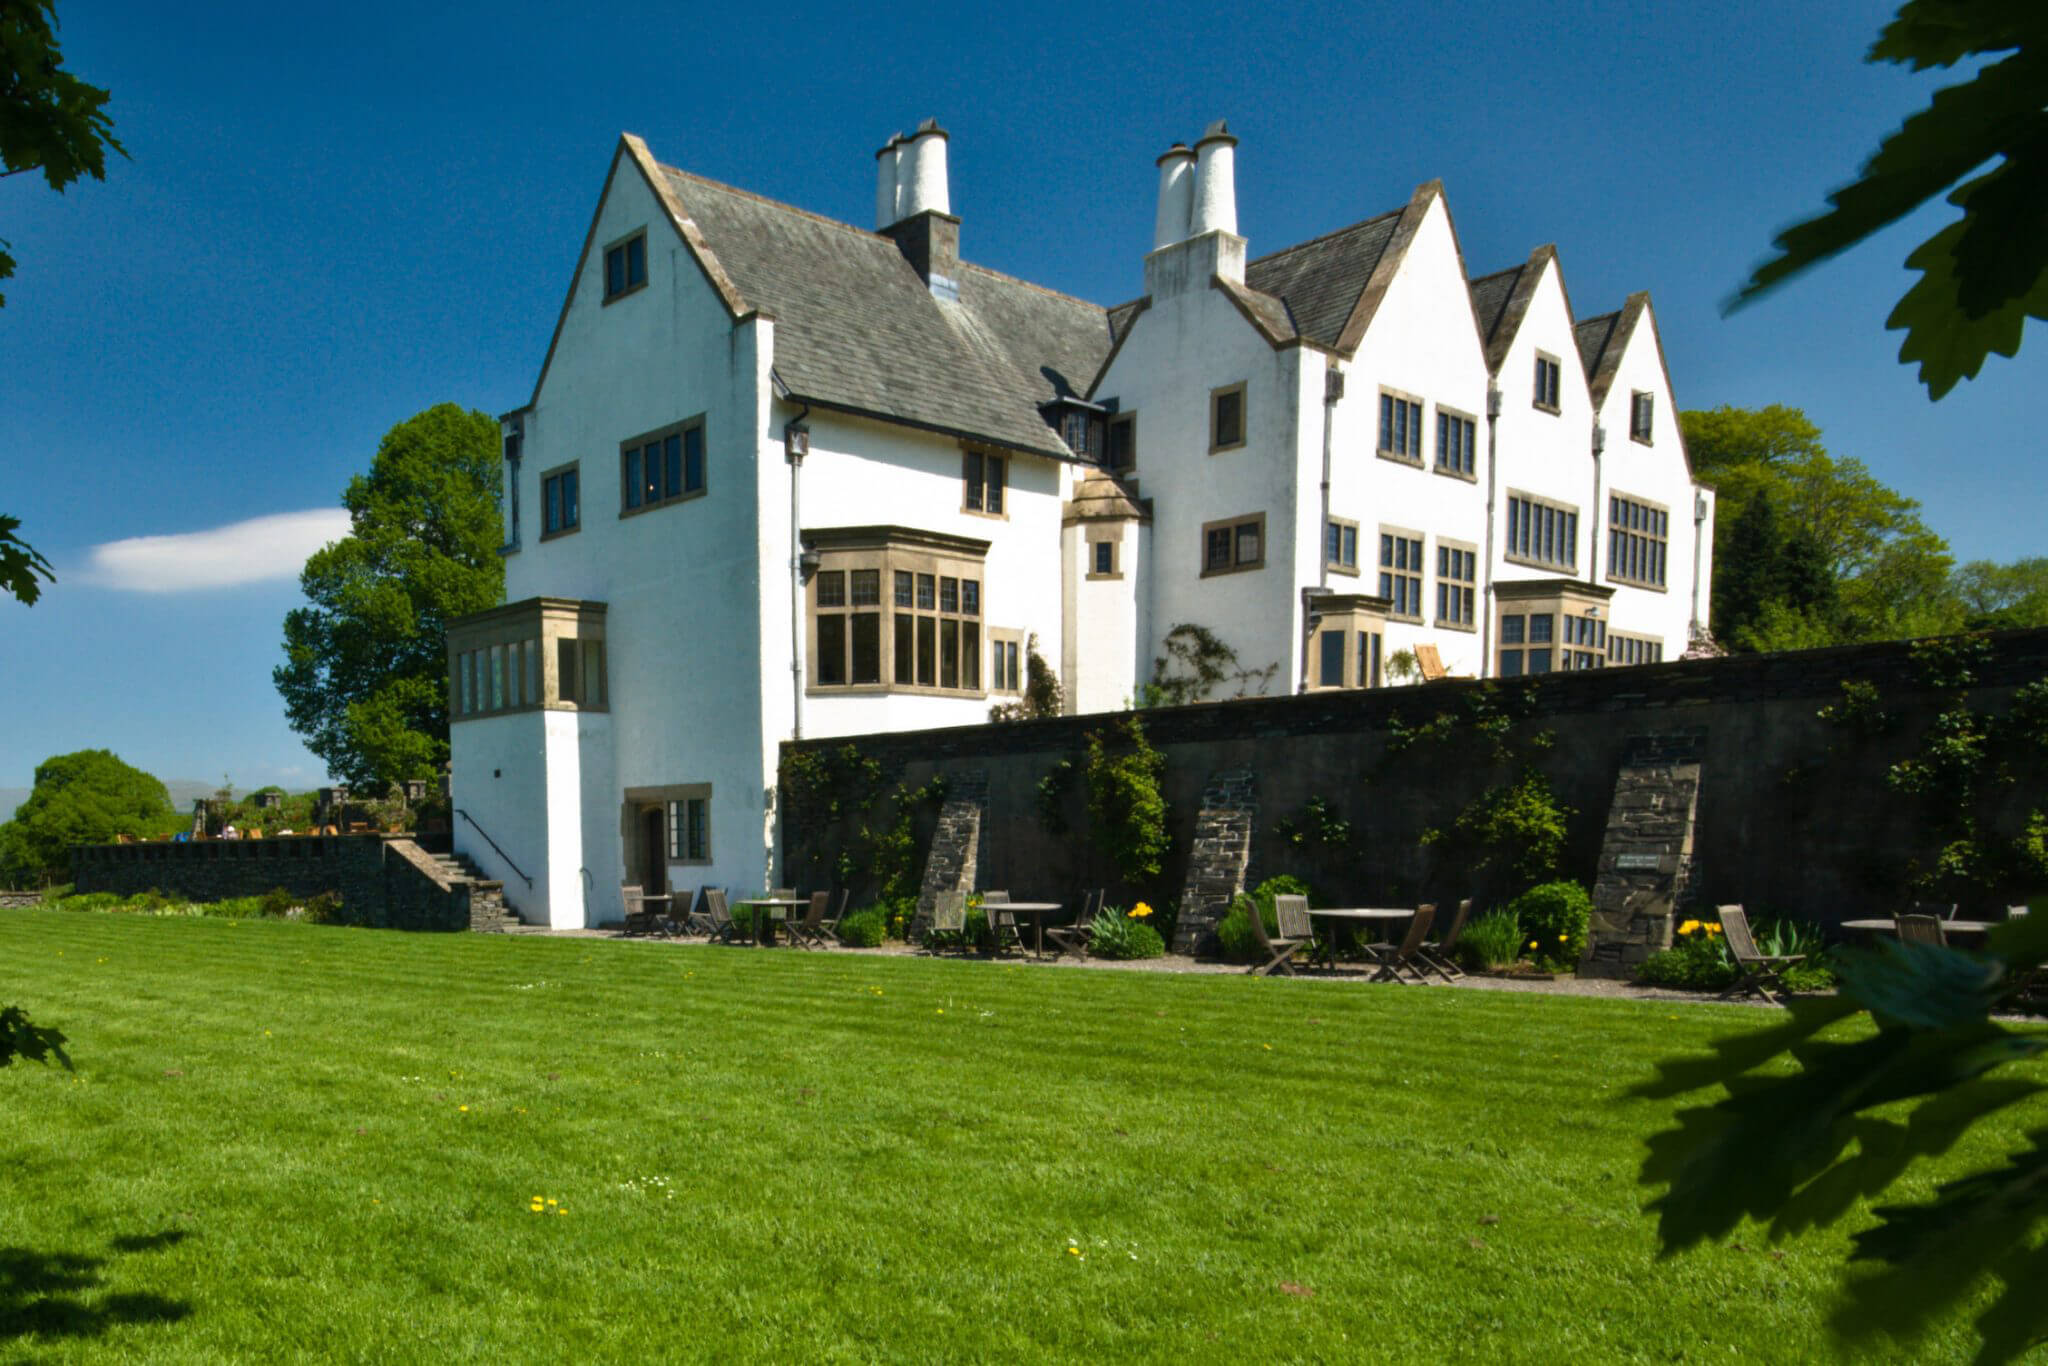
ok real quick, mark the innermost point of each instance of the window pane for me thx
(902, 588)
(1014, 673)
(831, 649)
(633, 478)
(614, 270)
(1368, 659)
(970, 597)
(867, 647)
(970, 655)
(906, 639)
(1248, 543)
(1539, 661)
(997, 679)
(675, 830)
(651, 469)
(636, 261)
(497, 677)
(672, 466)
(1104, 554)
(1216, 555)
(949, 595)
(974, 480)
(1229, 428)
(533, 673)
(572, 513)
(996, 465)
(1510, 663)
(927, 592)
(1541, 624)
(867, 587)
(1331, 674)
(927, 651)
(949, 654)
(693, 459)
(565, 671)
(593, 672)
(832, 588)
(700, 828)
(1511, 630)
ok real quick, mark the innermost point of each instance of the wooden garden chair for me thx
(639, 920)
(949, 916)
(1074, 938)
(1940, 910)
(1291, 918)
(1921, 929)
(724, 929)
(1277, 950)
(1758, 971)
(1439, 954)
(809, 932)
(1002, 924)
(1395, 960)
(697, 920)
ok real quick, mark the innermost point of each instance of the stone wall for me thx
(1793, 816)
(383, 880)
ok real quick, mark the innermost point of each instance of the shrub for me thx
(1124, 935)
(1234, 931)
(324, 908)
(1126, 810)
(1696, 961)
(864, 929)
(1554, 917)
(1491, 941)
(276, 904)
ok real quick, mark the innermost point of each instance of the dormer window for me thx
(625, 266)
(1074, 431)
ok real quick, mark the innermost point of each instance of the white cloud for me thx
(256, 551)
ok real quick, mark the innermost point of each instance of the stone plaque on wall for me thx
(1646, 852)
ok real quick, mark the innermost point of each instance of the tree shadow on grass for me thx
(53, 1294)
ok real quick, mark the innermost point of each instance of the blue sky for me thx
(335, 216)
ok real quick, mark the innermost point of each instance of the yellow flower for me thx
(1688, 927)
(1140, 911)
(463, 1108)
(1561, 938)
(1073, 1251)
(1533, 944)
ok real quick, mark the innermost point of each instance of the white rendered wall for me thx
(1105, 643)
(1177, 351)
(1423, 343)
(863, 473)
(1543, 453)
(682, 583)
(1654, 473)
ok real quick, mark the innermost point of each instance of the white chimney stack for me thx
(1176, 196)
(921, 174)
(888, 193)
(1215, 182)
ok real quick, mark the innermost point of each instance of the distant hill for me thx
(184, 791)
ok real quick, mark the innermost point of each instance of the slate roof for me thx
(1594, 336)
(1318, 282)
(856, 329)
(1490, 295)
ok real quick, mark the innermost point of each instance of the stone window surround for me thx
(1235, 566)
(1419, 573)
(994, 463)
(1338, 566)
(572, 467)
(677, 429)
(1554, 404)
(1243, 417)
(1352, 614)
(1114, 539)
(543, 621)
(1556, 597)
(888, 549)
(1472, 449)
(1010, 636)
(634, 801)
(1418, 406)
(1509, 554)
(1470, 586)
(1616, 531)
(1655, 644)
(605, 267)
(1642, 404)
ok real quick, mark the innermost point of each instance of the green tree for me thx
(1846, 558)
(1984, 274)
(20, 564)
(87, 797)
(365, 673)
(2001, 596)
(50, 121)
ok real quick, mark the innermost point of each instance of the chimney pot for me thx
(1176, 196)
(921, 174)
(888, 193)
(1215, 208)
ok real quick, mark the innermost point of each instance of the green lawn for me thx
(293, 1141)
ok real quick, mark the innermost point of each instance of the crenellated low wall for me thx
(1794, 815)
(383, 880)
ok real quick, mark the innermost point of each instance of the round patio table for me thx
(1947, 926)
(1038, 911)
(764, 925)
(1356, 915)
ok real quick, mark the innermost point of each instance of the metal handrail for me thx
(494, 844)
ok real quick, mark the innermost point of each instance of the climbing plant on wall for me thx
(1126, 808)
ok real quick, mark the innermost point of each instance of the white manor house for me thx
(782, 476)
